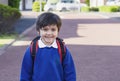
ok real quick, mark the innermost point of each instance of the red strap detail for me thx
(59, 50)
(31, 49)
(36, 46)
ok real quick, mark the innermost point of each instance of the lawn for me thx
(1, 45)
(6, 39)
(5, 36)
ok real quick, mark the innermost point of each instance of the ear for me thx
(38, 32)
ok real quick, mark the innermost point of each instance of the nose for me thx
(49, 32)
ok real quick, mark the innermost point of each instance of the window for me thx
(67, 1)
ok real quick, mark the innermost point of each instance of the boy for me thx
(47, 65)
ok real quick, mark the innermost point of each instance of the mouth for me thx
(49, 37)
(48, 40)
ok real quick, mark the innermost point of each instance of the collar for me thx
(42, 45)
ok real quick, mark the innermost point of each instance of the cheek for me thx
(56, 34)
(41, 33)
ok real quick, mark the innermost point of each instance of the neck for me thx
(46, 43)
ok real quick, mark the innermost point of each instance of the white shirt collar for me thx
(42, 45)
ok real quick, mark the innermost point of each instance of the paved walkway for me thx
(92, 38)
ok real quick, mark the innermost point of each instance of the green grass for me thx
(1, 45)
(5, 36)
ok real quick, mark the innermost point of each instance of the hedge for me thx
(8, 16)
(36, 6)
(14, 3)
(109, 8)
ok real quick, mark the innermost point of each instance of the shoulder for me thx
(27, 51)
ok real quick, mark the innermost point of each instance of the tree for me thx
(14, 3)
(87, 2)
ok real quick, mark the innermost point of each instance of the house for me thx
(4, 2)
(27, 4)
(95, 3)
(82, 1)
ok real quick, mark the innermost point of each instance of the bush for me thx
(8, 17)
(36, 6)
(43, 4)
(14, 3)
(94, 9)
(87, 2)
(117, 8)
(109, 8)
(85, 9)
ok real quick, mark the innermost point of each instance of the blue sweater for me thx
(47, 66)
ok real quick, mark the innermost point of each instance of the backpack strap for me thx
(34, 47)
(61, 49)
(60, 43)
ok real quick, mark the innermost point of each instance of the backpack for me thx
(60, 43)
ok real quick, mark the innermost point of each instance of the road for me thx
(94, 42)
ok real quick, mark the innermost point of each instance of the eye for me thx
(53, 29)
(45, 29)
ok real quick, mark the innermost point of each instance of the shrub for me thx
(43, 4)
(109, 9)
(87, 2)
(36, 6)
(94, 9)
(117, 8)
(85, 9)
(8, 17)
(14, 3)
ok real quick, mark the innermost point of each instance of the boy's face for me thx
(48, 34)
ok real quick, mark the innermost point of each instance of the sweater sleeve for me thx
(69, 67)
(26, 67)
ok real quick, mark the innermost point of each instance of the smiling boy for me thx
(47, 64)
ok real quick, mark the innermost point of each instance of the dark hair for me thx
(46, 19)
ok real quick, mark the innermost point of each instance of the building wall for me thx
(100, 2)
(82, 1)
(93, 3)
(96, 3)
(28, 4)
(4, 2)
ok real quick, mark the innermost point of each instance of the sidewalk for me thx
(115, 16)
